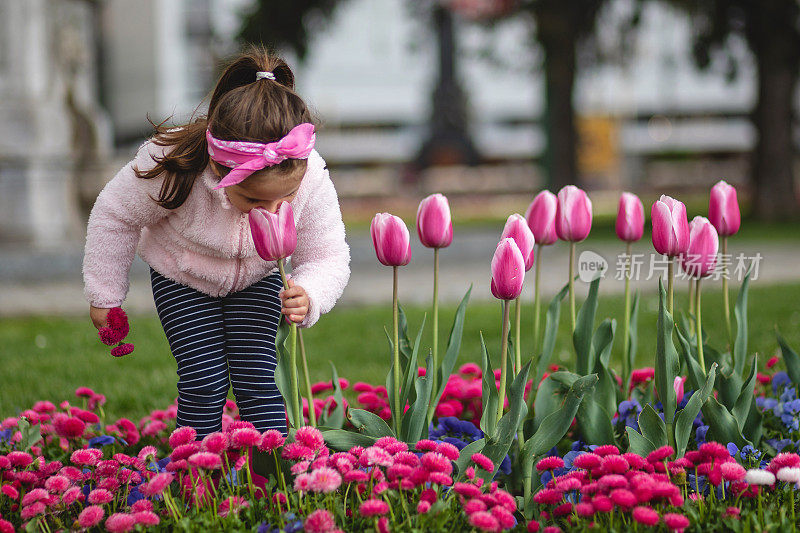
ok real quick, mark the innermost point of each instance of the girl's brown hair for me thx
(241, 109)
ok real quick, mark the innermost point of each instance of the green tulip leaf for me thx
(582, 336)
(685, 418)
(740, 312)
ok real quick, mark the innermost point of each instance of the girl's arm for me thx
(321, 260)
(125, 205)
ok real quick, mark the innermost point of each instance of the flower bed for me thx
(700, 440)
(65, 466)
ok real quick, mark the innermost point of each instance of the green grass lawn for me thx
(47, 358)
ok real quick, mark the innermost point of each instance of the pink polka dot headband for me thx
(248, 157)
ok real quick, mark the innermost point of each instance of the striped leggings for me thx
(223, 342)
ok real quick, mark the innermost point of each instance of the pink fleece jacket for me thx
(206, 242)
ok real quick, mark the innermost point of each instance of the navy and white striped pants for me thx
(219, 342)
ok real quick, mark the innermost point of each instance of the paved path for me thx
(34, 282)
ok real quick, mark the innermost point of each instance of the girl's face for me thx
(265, 188)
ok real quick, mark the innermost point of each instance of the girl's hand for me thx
(295, 302)
(98, 316)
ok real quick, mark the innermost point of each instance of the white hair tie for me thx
(265, 76)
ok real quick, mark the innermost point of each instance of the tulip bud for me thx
(700, 259)
(574, 214)
(274, 234)
(723, 209)
(434, 226)
(517, 229)
(670, 226)
(630, 218)
(677, 386)
(508, 270)
(391, 239)
(541, 217)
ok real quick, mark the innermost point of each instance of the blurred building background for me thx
(414, 97)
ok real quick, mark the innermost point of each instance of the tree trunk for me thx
(773, 157)
(556, 34)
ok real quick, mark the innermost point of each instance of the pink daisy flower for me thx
(99, 497)
(232, 504)
(32, 510)
(182, 435)
(550, 463)
(146, 518)
(483, 462)
(157, 484)
(142, 505)
(310, 437)
(216, 442)
(587, 461)
(319, 521)
(436, 462)
(183, 451)
(623, 498)
(373, 507)
(676, 522)
(19, 459)
(9, 491)
(325, 480)
(245, 438)
(606, 449)
(206, 460)
(660, 454)
(448, 450)
(356, 476)
(91, 516)
(548, 496)
(484, 521)
(120, 522)
(302, 483)
(473, 506)
(645, 515)
(71, 495)
(732, 471)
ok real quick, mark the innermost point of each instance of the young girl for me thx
(182, 203)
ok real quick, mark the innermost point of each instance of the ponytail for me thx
(242, 109)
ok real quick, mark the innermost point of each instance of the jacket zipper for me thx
(238, 255)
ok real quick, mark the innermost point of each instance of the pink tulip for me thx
(574, 214)
(541, 217)
(434, 226)
(630, 218)
(517, 229)
(274, 234)
(701, 257)
(677, 385)
(723, 209)
(670, 226)
(391, 239)
(508, 270)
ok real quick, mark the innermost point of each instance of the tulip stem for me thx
(435, 370)
(725, 297)
(298, 414)
(538, 256)
(670, 277)
(691, 296)
(396, 343)
(312, 415)
(503, 360)
(627, 324)
(517, 349)
(572, 284)
(698, 324)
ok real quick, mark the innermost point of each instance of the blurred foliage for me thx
(286, 24)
